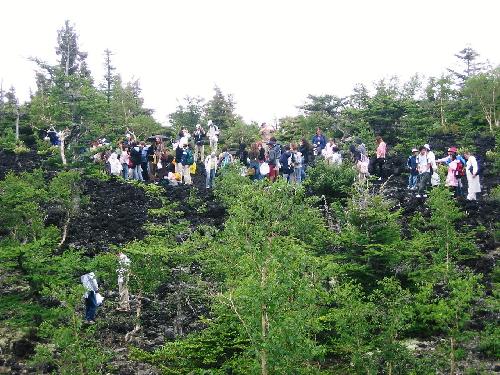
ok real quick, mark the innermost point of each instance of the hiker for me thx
(411, 163)
(179, 150)
(210, 169)
(254, 161)
(273, 158)
(380, 160)
(199, 148)
(472, 171)
(262, 152)
(286, 162)
(124, 161)
(451, 177)
(184, 136)
(213, 135)
(225, 158)
(435, 179)
(243, 154)
(460, 168)
(319, 142)
(296, 176)
(168, 165)
(115, 167)
(361, 147)
(305, 149)
(123, 272)
(89, 282)
(53, 136)
(336, 158)
(327, 152)
(135, 156)
(361, 161)
(424, 172)
(144, 161)
(187, 160)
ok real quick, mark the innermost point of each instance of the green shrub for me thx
(334, 182)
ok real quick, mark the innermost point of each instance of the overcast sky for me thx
(269, 54)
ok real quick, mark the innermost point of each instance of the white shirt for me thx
(422, 164)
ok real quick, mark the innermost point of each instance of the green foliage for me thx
(366, 330)
(241, 133)
(20, 198)
(198, 352)
(334, 182)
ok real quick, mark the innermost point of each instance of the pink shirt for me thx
(451, 179)
(381, 150)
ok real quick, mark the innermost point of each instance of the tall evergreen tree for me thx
(72, 60)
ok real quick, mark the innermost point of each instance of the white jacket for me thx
(89, 282)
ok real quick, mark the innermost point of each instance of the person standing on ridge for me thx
(199, 141)
(89, 282)
(213, 135)
(319, 142)
(411, 163)
(472, 171)
(424, 172)
(380, 160)
(187, 160)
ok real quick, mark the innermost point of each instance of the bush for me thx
(334, 182)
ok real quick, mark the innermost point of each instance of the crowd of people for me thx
(423, 167)
(156, 161)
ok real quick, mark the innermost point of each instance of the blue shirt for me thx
(319, 140)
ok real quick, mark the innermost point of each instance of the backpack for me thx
(460, 171)
(275, 154)
(189, 157)
(226, 160)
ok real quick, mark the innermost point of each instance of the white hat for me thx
(414, 149)
(209, 122)
(427, 146)
(198, 125)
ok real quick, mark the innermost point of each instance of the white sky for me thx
(269, 54)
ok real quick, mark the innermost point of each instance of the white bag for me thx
(264, 169)
(99, 298)
(435, 179)
(160, 166)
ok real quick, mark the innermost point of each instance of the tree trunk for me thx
(137, 327)
(17, 123)
(61, 149)
(65, 230)
(442, 112)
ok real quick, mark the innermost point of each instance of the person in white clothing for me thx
(115, 165)
(431, 157)
(424, 172)
(211, 162)
(213, 135)
(89, 282)
(327, 152)
(123, 272)
(336, 157)
(472, 173)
